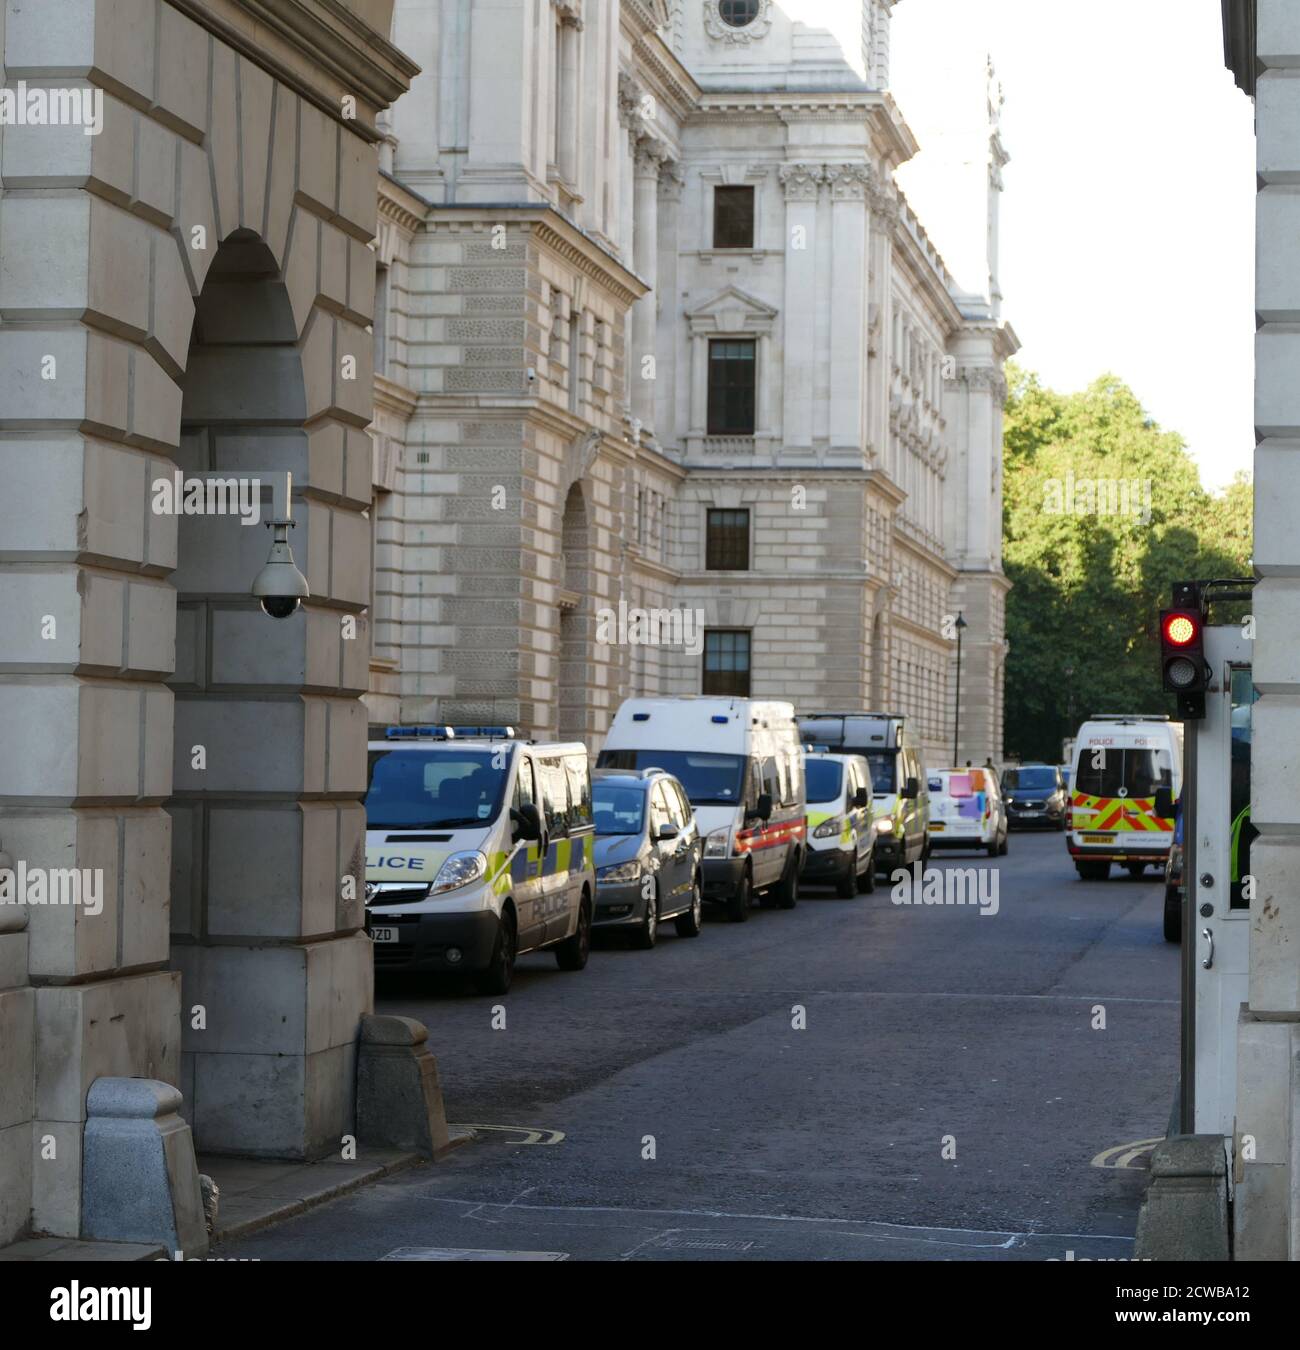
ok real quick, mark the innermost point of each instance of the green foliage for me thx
(1102, 512)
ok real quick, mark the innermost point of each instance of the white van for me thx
(479, 848)
(1121, 761)
(901, 785)
(841, 825)
(740, 763)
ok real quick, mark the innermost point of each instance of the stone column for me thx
(1267, 1167)
(802, 183)
(849, 184)
(671, 182)
(650, 158)
(569, 150)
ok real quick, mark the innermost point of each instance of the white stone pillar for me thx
(569, 131)
(848, 184)
(671, 182)
(802, 183)
(650, 156)
(1267, 1201)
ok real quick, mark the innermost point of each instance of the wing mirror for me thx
(861, 798)
(667, 832)
(527, 822)
(911, 790)
(763, 808)
(1164, 803)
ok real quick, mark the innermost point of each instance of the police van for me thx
(841, 825)
(479, 848)
(1121, 762)
(740, 762)
(901, 785)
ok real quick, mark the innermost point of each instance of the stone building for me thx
(660, 332)
(186, 283)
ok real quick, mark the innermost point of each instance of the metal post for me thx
(956, 725)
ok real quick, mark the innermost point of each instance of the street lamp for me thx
(961, 626)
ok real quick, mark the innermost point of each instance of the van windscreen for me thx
(709, 780)
(883, 771)
(419, 790)
(824, 778)
(1111, 772)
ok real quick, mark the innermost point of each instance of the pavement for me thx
(853, 1079)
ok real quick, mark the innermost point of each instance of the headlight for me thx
(885, 826)
(619, 873)
(459, 870)
(718, 844)
(829, 829)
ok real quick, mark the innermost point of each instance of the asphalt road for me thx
(923, 1024)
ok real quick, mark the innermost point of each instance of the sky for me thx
(1127, 223)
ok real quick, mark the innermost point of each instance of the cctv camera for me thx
(280, 586)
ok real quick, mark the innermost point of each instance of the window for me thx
(684, 812)
(733, 217)
(660, 814)
(726, 547)
(731, 387)
(555, 796)
(524, 793)
(726, 662)
(415, 790)
(738, 13)
(579, 790)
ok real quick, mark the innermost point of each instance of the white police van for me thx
(740, 762)
(841, 824)
(479, 847)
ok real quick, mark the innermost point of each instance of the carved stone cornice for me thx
(985, 378)
(885, 205)
(802, 182)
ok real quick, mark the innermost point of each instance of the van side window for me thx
(555, 795)
(579, 775)
(771, 778)
(753, 785)
(660, 812)
(525, 792)
(794, 777)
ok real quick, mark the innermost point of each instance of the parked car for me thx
(1035, 796)
(967, 811)
(740, 763)
(648, 855)
(1174, 880)
(478, 849)
(900, 795)
(841, 823)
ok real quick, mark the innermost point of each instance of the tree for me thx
(1102, 512)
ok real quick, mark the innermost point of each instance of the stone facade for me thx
(190, 289)
(1263, 37)
(552, 289)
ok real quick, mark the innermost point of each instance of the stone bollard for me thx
(1184, 1216)
(399, 1099)
(139, 1178)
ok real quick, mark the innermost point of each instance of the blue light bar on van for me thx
(421, 733)
(640, 717)
(500, 733)
(720, 717)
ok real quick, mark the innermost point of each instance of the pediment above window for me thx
(732, 311)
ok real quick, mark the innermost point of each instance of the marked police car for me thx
(479, 848)
(841, 827)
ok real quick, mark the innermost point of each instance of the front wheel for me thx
(846, 887)
(572, 953)
(786, 891)
(1173, 915)
(738, 901)
(993, 848)
(647, 934)
(500, 973)
(688, 925)
(867, 879)
(1006, 844)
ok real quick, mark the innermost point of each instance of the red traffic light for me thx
(1181, 629)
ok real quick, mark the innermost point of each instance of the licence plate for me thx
(1098, 838)
(1031, 815)
(383, 935)
(937, 825)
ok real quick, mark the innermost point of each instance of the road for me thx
(924, 1025)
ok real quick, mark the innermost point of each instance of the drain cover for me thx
(708, 1244)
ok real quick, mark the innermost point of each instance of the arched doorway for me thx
(576, 623)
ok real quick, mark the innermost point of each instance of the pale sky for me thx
(1127, 235)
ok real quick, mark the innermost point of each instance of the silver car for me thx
(648, 855)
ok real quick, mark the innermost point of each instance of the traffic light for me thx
(1182, 659)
